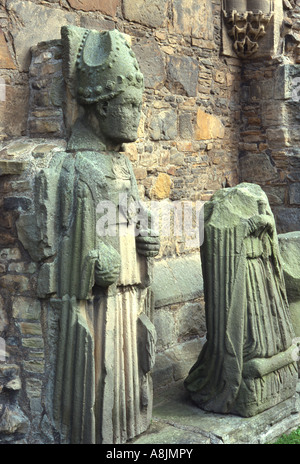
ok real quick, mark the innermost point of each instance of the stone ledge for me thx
(173, 364)
(177, 280)
(9, 167)
(177, 420)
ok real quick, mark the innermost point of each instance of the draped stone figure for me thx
(102, 389)
(246, 365)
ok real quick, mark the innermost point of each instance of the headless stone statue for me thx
(246, 365)
(102, 390)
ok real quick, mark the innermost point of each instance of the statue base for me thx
(176, 419)
(261, 393)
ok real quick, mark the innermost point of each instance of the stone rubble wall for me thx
(188, 139)
(269, 132)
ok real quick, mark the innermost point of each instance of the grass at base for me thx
(292, 439)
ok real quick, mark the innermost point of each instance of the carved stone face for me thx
(119, 118)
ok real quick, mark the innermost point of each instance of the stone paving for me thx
(176, 420)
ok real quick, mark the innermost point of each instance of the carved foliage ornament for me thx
(246, 22)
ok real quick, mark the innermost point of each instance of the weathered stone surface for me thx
(8, 254)
(182, 75)
(34, 366)
(239, 221)
(278, 137)
(163, 125)
(290, 251)
(151, 62)
(193, 18)
(172, 364)
(15, 283)
(12, 419)
(257, 167)
(16, 149)
(177, 280)
(22, 268)
(14, 110)
(9, 167)
(140, 173)
(287, 219)
(99, 24)
(162, 433)
(26, 308)
(152, 13)
(268, 42)
(165, 328)
(182, 355)
(275, 194)
(45, 127)
(208, 126)
(186, 126)
(33, 342)
(294, 193)
(114, 278)
(162, 187)
(34, 387)
(204, 171)
(191, 321)
(30, 328)
(191, 425)
(290, 254)
(16, 203)
(46, 281)
(6, 61)
(29, 15)
(3, 316)
(108, 7)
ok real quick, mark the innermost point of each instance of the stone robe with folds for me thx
(246, 364)
(102, 386)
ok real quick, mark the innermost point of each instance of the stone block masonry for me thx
(23, 320)
(269, 144)
(183, 71)
(269, 134)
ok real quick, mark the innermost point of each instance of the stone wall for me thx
(269, 146)
(187, 146)
(269, 136)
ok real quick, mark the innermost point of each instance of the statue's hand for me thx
(148, 243)
(107, 266)
(260, 223)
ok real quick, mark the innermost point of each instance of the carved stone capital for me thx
(245, 29)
